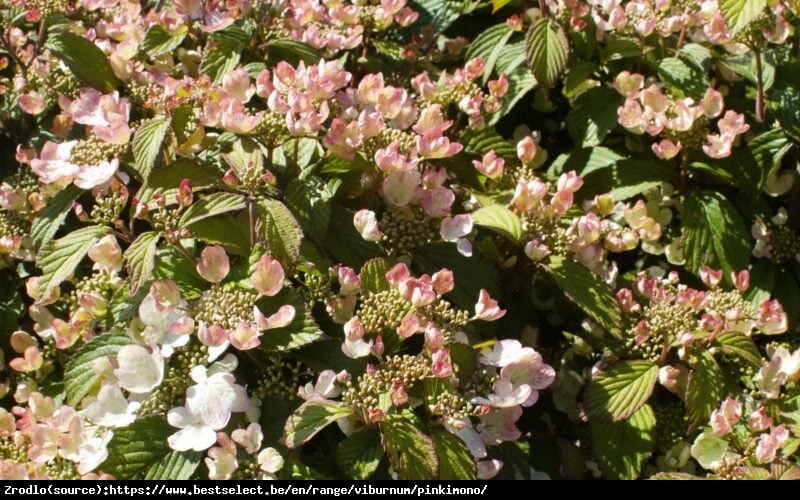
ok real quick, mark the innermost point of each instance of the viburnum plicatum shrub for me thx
(399, 239)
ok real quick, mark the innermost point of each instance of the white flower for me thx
(270, 462)
(250, 438)
(215, 396)
(111, 409)
(325, 388)
(140, 371)
(194, 434)
(168, 327)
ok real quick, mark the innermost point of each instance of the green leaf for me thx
(174, 465)
(683, 79)
(510, 59)
(159, 41)
(697, 55)
(622, 448)
(547, 51)
(147, 141)
(85, 59)
(746, 66)
(291, 51)
(281, 232)
(786, 102)
(345, 243)
(141, 258)
(58, 259)
(714, 233)
(762, 278)
(705, 389)
(310, 200)
(501, 220)
(620, 47)
(481, 141)
(740, 345)
(136, 448)
(49, 220)
(438, 13)
(588, 292)
(373, 275)
(489, 45)
(224, 54)
(360, 454)
(231, 232)
(303, 329)
(455, 460)
(310, 418)
(167, 179)
(211, 206)
(410, 451)
(739, 13)
(768, 149)
(620, 391)
(594, 116)
(80, 378)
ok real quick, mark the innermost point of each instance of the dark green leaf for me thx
(683, 79)
(137, 447)
(49, 220)
(411, 452)
(85, 59)
(547, 51)
(58, 259)
(159, 41)
(292, 51)
(622, 448)
(281, 232)
(373, 275)
(594, 116)
(141, 257)
(303, 329)
(360, 454)
(714, 233)
(489, 45)
(80, 377)
(705, 389)
(167, 179)
(174, 465)
(310, 201)
(211, 206)
(147, 141)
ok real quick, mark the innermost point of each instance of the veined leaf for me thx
(49, 220)
(360, 454)
(58, 259)
(159, 41)
(547, 51)
(622, 448)
(489, 45)
(739, 345)
(373, 275)
(147, 141)
(212, 205)
(292, 51)
(174, 465)
(594, 116)
(739, 13)
(705, 389)
(501, 220)
(520, 82)
(620, 391)
(141, 258)
(588, 292)
(714, 233)
(85, 59)
(136, 448)
(80, 377)
(167, 179)
(310, 418)
(683, 78)
(410, 451)
(455, 460)
(281, 232)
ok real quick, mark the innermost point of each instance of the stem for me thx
(681, 37)
(684, 169)
(251, 211)
(179, 246)
(759, 87)
(40, 36)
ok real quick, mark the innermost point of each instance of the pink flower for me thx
(399, 187)
(53, 165)
(432, 144)
(354, 345)
(454, 228)
(441, 366)
(268, 277)
(629, 84)
(712, 103)
(281, 319)
(732, 124)
(397, 274)
(769, 444)
(717, 146)
(630, 115)
(654, 99)
(666, 149)
(490, 165)
(724, 418)
(772, 320)
(487, 308)
(30, 361)
(536, 251)
(711, 277)
(213, 265)
(526, 150)
(106, 114)
(365, 223)
(443, 281)
(498, 88)
(418, 291)
(31, 103)
(244, 336)
(758, 420)
(409, 325)
(106, 253)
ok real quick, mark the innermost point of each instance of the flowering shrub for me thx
(338, 239)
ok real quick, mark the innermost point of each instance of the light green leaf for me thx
(622, 448)
(481, 141)
(455, 460)
(311, 418)
(310, 201)
(360, 454)
(80, 378)
(489, 45)
(714, 233)
(739, 13)
(147, 141)
(705, 390)
(174, 465)
(373, 275)
(49, 220)
(411, 452)
(547, 51)
(501, 220)
(746, 66)
(167, 179)
(709, 450)
(511, 58)
(588, 292)
(740, 345)
(85, 59)
(159, 41)
(211, 206)
(141, 257)
(137, 447)
(223, 56)
(281, 232)
(620, 391)
(683, 79)
(58, 259)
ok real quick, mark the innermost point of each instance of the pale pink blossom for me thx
(213, 265)
(487, 308)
